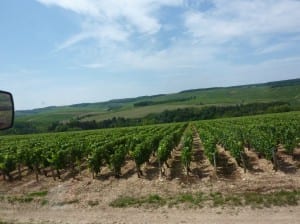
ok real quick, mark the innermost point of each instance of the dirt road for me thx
(163, 215)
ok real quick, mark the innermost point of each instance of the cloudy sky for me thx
(60, 52)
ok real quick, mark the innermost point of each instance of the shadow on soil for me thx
(252, 163)
(152, 171)
(284, 165)
(176, 168)
(202, 170)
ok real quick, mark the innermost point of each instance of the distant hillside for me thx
(284, 91)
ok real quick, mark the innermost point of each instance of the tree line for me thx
(167, 116)
(178, 115)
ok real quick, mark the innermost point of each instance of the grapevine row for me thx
(71, 151)
(264, 134)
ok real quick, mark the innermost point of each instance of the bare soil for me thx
(86, 200)
(280, 215)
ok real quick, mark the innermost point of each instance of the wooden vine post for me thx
(215, 163)
(243, 161)
(275, 161)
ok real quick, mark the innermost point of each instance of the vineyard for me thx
(73, 152)
(52, 153)
(264, 135)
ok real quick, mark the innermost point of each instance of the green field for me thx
(285, 91)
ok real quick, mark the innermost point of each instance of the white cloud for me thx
(252, 22)
(233, 19)
(274, 48)
(180, 55)
(78, 6)
(119, 15)
(97, 32)
(73, 40)
(129, 36)
(93, 65)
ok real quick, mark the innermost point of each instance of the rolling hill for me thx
(284, 91)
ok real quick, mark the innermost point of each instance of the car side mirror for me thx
(7, 111)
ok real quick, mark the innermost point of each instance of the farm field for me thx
(146, 111)
(235, 168)
(284, 91)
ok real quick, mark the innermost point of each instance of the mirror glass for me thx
(6, 110)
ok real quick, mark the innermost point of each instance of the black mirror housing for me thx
(7, 112)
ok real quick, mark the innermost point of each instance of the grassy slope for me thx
(288, 91)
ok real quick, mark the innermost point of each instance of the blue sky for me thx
(61, 52)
